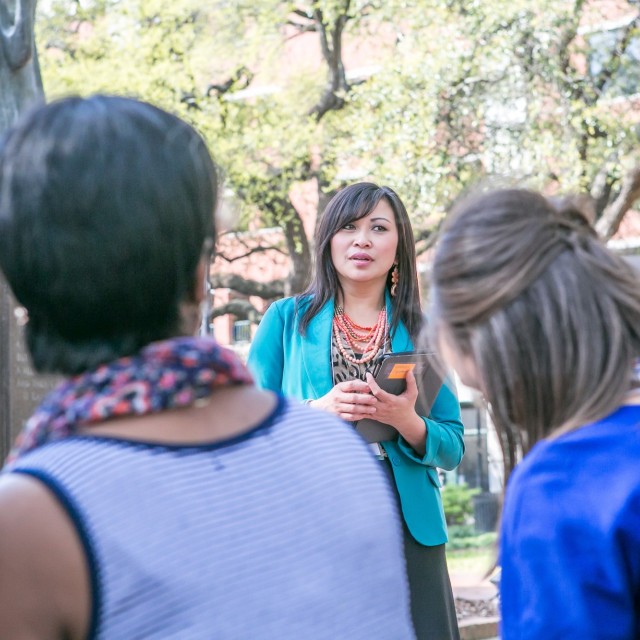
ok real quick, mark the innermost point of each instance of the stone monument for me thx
(20, 88)
(20, 388)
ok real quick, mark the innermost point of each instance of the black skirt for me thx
(433, 608)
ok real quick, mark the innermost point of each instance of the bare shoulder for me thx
(236, 409)
(251, 403)
(44, 584)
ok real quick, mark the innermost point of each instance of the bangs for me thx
(362, 207)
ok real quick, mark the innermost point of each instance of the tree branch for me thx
(266, 290)
(240, 308)
(425, 239)
(612, 216)
(301, 28)
(307, 23)
(299, 252)
(331, 46)
(250, 252)
(240, 79)
(466, 82)
(613, 64)
(301, 13)
(567, 37)
(602, 185)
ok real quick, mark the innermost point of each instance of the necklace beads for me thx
(353, 334)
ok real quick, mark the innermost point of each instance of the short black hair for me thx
(106, 204)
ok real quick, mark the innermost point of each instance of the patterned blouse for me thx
(343, 370)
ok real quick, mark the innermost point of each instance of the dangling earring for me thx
(394, 280)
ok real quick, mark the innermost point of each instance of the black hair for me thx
(106, 204)
(353, 203)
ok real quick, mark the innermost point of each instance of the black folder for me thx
(390, 375)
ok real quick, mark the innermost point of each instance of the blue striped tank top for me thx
(288, 531)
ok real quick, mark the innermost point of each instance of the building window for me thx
(602, 45)
(241, 332)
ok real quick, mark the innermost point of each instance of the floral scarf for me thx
(164, 375)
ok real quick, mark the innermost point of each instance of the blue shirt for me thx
(570, 543)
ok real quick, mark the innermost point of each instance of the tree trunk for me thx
(19, 70)
(300, 254)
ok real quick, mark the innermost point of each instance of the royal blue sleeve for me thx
(568, 572)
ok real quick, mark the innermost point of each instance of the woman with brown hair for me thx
(533, 310)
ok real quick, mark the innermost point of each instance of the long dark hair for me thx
(353, 203)
(547, 314)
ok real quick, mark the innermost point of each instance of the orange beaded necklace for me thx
(355, 336)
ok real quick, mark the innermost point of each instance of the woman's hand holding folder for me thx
(399, 410)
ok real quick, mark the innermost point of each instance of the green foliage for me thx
(476, 561)
(141, 48)
(457, 503)
(486, 88)
(461, 531)
(460, 91)
(458, 541)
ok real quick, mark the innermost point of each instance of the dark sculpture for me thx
(20, 87)
(20, 81)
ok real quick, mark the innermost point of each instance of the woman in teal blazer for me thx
(319, 347)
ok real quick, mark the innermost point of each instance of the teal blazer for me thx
(284, 361)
